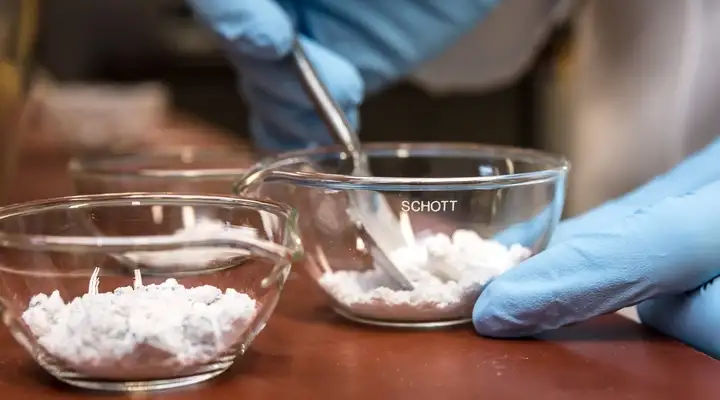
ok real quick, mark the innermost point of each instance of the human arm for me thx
(358, 46)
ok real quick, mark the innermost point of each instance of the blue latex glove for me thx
(658, 246)
(356, 45)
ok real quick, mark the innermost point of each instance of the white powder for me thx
(473, 259)
(150, 332)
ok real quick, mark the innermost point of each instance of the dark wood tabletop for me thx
(306, 352)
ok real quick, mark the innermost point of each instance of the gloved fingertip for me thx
(692, 317)
(659, 312)
(340, 76)
(256, 28)
(482, 319)
(492, 318)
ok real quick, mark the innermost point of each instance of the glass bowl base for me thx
(401, 324)
(202, 374)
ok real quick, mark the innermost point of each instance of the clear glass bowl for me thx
(480, 209)
(59, 258)
(202, 170)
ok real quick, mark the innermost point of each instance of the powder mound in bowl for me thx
(368, 294)
(150, 332)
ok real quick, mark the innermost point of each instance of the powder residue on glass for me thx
(148, 332)
(369, 294)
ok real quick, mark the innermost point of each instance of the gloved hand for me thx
(658, 246)
(356, 45)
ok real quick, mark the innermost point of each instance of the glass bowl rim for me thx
(559, 165)
(39, 242)
(93, 165)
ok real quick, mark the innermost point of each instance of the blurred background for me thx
(135, 40)
(513, 81)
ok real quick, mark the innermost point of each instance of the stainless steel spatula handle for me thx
(371, 210)
(335, 119)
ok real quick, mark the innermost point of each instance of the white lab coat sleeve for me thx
(647, 92)
(500, 50)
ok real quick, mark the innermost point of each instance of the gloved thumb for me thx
(692, 318)
(256, 28)
(668, 248)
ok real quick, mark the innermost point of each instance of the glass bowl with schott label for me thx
(461, 213)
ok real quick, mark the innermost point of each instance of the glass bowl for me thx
(128, 292)
(478, 210)
(200, 170)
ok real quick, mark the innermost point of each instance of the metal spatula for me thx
(368, 209)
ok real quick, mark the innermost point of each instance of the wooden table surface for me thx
(306, 352)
